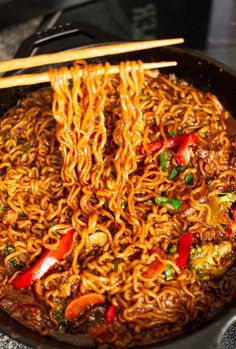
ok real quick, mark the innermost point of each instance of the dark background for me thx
(206, 25)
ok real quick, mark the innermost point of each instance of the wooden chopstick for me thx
(39, 78)
(96, 51)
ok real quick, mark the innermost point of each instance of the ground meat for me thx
(213, 235)
(24, 297)
(24, 307)
(9, 217)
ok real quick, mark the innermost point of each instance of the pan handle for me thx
(63, 37)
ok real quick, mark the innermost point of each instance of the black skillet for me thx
(194, 67)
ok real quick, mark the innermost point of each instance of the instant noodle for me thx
(117, 200)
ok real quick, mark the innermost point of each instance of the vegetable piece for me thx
(56, 234)
(154, 147)
(171, 134)
(185, 244)
(227, 197)
(4, 207)
(175, 171)
(25, 148)
(123, 204)
(168, 272)
(59, 316)
(183, 153)
(16, 264)
(112, 174)
(76, 307)
(8, 250)
(220, 206)
(5, 135)
(198, 252)
(172, 174)
(163, 160)
(110, 314)
(123, 246)
(188, 178)
(181, 168)
(172, 250)
(206, 258)
(171, 203)
(116, 263)
(155, 267)
(45, 262)
(70, 83)
(172, 142)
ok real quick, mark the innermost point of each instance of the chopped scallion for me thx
(5, 135)
(172, 250)
(59, 315)
(188, 178)
(123, 247)
(173, 174)
(112, 175)
(181, 168)
(25, 148)
(123, 204)
(3, 208)
(171, 203)
(15, 264)
(55, 233)
(70, 83)
(168, 272)
(116, 263)
(163, 160)
(8, 250)
(171, 134)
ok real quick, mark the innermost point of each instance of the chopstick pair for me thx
(86, 53)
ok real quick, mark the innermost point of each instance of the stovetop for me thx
(207, 25)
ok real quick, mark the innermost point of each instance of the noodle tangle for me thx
(77, 157)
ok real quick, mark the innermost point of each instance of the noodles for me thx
(114, 181)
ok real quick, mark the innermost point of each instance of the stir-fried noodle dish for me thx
(117, 205)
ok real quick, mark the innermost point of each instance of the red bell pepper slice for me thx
(110, 314)
(185, 244)
(183, 154)
(173, 142)
(155, 266)
(45, 262)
